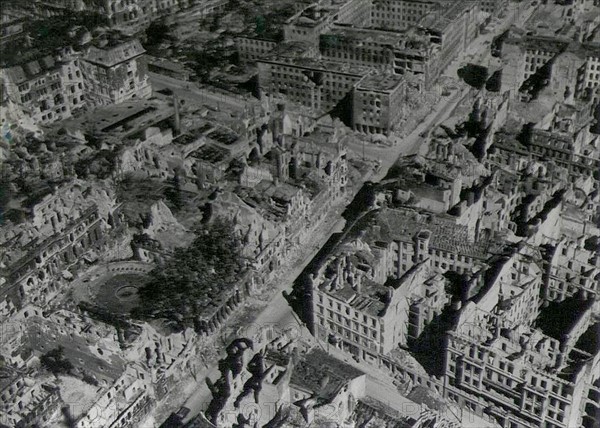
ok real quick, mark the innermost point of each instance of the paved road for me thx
(278, 313)
(190, 91)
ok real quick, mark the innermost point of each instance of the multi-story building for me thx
(400, 14)
(398, 53)
(573, 68)
(562, 136)
(25, 402)
(45, 90)
(128, 16)
(493, 7)
(64, 227)
(366, 318)
(360, 46)
(114, 74)
(319, 85)
(307, 25)
(570, 269)
(251, 48)
(367, 296)
(451, 28)
(377, 103)
(498, 364)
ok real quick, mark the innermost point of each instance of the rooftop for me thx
(320, 373)
(402, 224)
(372, 298)
(380, 82)
(23, 73)
(361, 35)
(282, 191)
(126, 118)
(316, 64)
(111, 56)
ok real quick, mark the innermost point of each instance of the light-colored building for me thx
(499, 365)
(368, 319)
(44, 91)
(401, 14)
(319, 85)
(114, 74)
(377, 103)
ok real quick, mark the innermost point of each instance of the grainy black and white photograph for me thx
(300, 214)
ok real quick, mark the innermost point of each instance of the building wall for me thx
(322, 91)
(399, 14)
(118, 83)
(250, 49)
(356, 13)
(377, 111)
(50, 96)
(355, 51)
(35, 278)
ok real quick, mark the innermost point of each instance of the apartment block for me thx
(400, 14)
(498, 364)
(116, 73)
(377, 103)
(319, 85)
(44, 91)
(366, 318)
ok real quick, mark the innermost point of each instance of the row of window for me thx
(348, 311)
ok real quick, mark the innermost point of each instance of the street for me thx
(277, 313)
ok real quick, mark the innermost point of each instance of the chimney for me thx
(228, 379)
(177, 124)
(358, 285)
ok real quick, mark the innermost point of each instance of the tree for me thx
(157, 33)
(173, 192)
(212, 261)
(55, 362)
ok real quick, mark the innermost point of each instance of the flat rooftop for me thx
(404, 224)
(320, 65)
(380, 82)
(362, 35)
(320, 373)
(125, 119)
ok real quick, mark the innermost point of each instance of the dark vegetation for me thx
(178, 290)
(473, 75)
(156, 34)
(44, 37)
(55, 361)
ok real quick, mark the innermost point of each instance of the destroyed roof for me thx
(376, 414)
(380, 82)
(31, 70)
(109, 57)
(360, 36)
(125, 119)
(322, 375)
(371, 299)
(320, 65)
(446, 235)
(282, 191)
